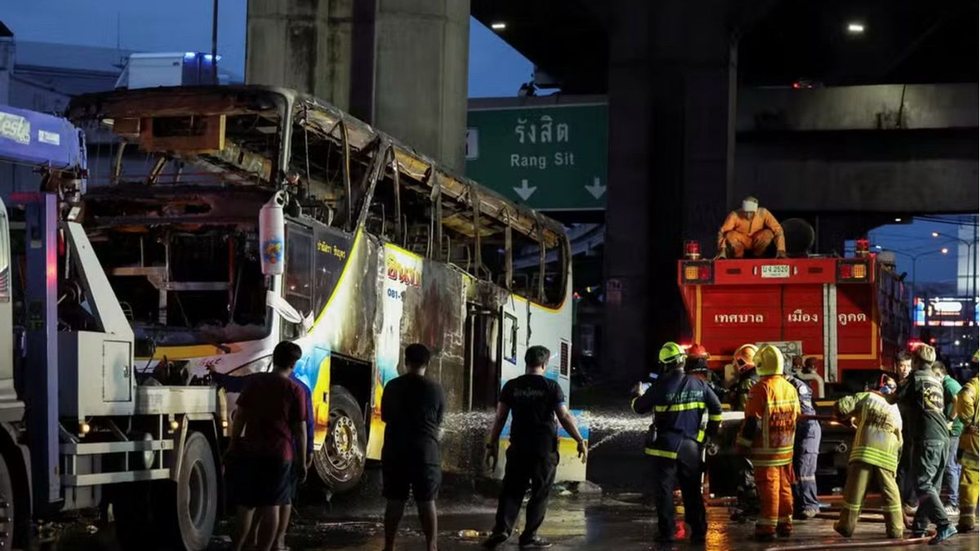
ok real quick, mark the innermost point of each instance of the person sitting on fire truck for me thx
(750, 231)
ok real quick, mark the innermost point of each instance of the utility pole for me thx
(214, 42)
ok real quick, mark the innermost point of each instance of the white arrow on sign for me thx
(525, 191)
(596, 189)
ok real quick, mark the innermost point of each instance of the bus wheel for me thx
(189, 508)
(340, 461)
(7, 511)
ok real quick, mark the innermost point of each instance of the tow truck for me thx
(79, 428)
(848, 313)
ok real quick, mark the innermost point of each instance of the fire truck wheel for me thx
(7, 511)
(340, 461)
(196, 494)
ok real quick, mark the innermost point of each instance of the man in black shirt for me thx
(412, 408)
(532, 457)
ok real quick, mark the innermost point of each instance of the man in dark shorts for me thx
(412, 408)
(236, 384)
(532, 457)
(269, 424)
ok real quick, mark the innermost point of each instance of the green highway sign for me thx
(550, 157)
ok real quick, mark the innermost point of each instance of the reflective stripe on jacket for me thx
(678, 403)
(968, 411)
(774, 404)
(878, 440)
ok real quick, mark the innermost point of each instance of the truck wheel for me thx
(8, 515)
(196, 494)
(340, 461)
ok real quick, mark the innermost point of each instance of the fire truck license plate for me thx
(772, 271)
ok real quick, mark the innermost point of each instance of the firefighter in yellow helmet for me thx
(678, 402)
(968, 411)
(767, 434)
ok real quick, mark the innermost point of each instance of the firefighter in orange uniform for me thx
(768, 434)
(751, 230)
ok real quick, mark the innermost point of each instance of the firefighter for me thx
(767, 434)
(696, 364)
(920, 398)
(746, 496)
(678, 403)
(744, 358)
(805, 451)
(751, 230)
(874, 455)
(968, 411)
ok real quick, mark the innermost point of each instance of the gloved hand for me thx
(640, 388)
(491, 458)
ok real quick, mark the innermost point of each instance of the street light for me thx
(971, 284)
(915, 260)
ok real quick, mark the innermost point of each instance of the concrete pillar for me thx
(400, 65)
(671, 101)
(420, 75)
(6, 63)
(292, 43)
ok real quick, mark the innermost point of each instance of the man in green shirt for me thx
(951, 478)
(920, 399)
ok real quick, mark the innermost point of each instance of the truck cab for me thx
(77, 429)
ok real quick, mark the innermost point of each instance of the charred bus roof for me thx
(257, 156)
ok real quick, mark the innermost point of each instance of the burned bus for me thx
(230, 218)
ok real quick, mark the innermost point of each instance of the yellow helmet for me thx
(769, 361)
(745, 356)
(671, 353)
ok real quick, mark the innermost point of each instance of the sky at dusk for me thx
(495, 69)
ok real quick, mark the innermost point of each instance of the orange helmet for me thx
(745, 356)
(697, 351)
(697, 359)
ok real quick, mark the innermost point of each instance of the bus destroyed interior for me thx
(174, 219)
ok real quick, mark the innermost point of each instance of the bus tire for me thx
(189, 507)
(340, 461)
(8, 511)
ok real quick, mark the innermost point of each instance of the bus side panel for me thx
(346, 276)
(421, 302)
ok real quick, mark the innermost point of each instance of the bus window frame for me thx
(292, 226)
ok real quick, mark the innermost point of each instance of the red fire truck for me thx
(848, 313)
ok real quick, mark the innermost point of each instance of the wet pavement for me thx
(609, 523)
(620, 518)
